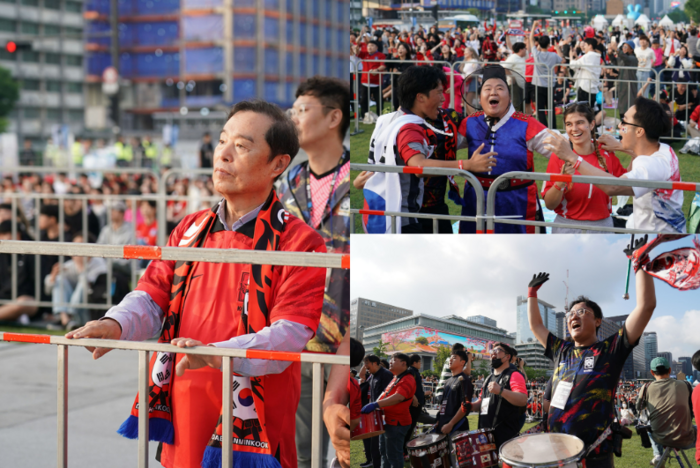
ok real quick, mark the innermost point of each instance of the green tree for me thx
(443, 353)
(9, 94)
(422, 340)
(678, 16)
(692, 9)
(533, 374)
(429, 373)
(481, 369)
(380, 350)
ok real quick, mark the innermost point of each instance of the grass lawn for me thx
(359, 147)
(633, 454)
(5, 327)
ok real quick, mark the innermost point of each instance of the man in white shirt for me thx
(588, 67)
(516, 62)
(541, 78)
(646, 58)
(641, 128)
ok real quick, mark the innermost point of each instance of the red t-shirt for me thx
(211, 313)
(412, 140)
(147, 233)
(355, 398)
(368, 66)
(398, 414)
(585, 202)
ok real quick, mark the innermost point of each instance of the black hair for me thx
(282, 136)
(597, 311)
(506, 347)
(408, 48)
(357, 352)
(696, 360)
(518, 46)
(373, 359)
(385, 363)
(6, 227)
(661, 370)
(418, 80)
(151, 203)
(591, 42)
(414, 359)
(333, 93)
(543, 41)
(401, 357)
(49, 210)
(651, 117)
(91, 239)
(585, 110)
(461, 354)
(457, 347)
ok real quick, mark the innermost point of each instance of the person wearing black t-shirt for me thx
(586, 370)
(206, 152)
(378, 381)
(24, 274)
(685, 101)
(458, 390)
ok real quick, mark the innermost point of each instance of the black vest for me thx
(507, 421)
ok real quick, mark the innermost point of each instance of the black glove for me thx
(537, 281)
(638, 253)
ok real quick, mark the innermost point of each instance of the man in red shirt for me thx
(395, 400)
(696, 404)
(370, 77)
(255, 147)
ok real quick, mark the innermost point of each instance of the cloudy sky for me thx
(483, 274)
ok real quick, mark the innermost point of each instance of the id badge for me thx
(442, 407)
(485, 406)
(561, 394)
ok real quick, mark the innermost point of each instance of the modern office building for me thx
(423, 334)
(50, 70)
(641, 369)
(687, 364)
(366, 313)
(533, 354)
(667, 355)
(628, 371)
(522, 324)
(186, 60)
(651, 349)
(482, 320)
(562, 330)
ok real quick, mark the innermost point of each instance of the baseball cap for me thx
(659, 362)
(629, 43)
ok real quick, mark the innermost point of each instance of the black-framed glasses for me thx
(579, 312)
(622, 122)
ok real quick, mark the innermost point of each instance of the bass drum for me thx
(429, 451)
(543, 451)
(371, 425)
(475, 449)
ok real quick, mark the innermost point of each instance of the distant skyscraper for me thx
(667, 355)
(687, 364)
(365, 313)
(628, 371)
(482, 320)
(523, 334)
(651, 349)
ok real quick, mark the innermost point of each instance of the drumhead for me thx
(425, 440)
(542, 449)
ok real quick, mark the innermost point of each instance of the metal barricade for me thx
(471, 179)
(491, 219)
(15, 170)
(184, 254)
(162, 186)
(132, 203)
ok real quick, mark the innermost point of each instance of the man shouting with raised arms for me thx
(587, 370)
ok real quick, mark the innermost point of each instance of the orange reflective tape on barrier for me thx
(560, 178)
(345, 262)
(26, 338)
(142, 251)
(412, 170)
(689, 186)
(372, 212)
(273, 355)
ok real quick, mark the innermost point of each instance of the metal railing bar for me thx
(302, 259)
(317, 415)
(227, 423)
(143, 403)
(62, 407)
(167, 348)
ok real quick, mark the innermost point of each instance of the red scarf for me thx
(251, 445)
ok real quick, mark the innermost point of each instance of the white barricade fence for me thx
(184, 254)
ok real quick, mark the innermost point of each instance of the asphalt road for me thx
(100, 395)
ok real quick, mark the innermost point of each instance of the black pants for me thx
(444, 225)
(376, 455)
(367, 443)
(591, 99)
(415, 413)
(544, 102)
(365, 92)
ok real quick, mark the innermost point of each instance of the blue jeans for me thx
(391, 445)
(656, 447)
(642, 78)
(65, 292)
(652, 86)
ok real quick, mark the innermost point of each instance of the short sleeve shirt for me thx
(398, 414)
(355, 398)
(594, 372)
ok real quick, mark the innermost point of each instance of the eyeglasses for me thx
(622, 122)
(497, 351)
(579, 312)
(303, 109)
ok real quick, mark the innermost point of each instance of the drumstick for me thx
(626, 295)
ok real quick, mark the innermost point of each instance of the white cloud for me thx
(678, 335)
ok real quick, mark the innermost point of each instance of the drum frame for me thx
(558, 464)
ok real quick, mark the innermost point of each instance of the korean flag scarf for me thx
(251, 445)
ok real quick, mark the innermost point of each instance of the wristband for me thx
(460, 164)
(562, 189)
(578, 162)
(532, 292)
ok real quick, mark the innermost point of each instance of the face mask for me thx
(496, 363)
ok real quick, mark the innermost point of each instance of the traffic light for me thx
(14, 46)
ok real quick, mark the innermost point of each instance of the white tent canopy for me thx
(619, 21)
(666, 21)
(643, 21)
(599, 22)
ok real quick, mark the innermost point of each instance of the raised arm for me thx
(646, 295)
(533, 310)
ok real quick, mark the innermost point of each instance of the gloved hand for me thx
(369, 407)
(639, 252)
(537, 281)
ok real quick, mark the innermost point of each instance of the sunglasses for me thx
(622, 122)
